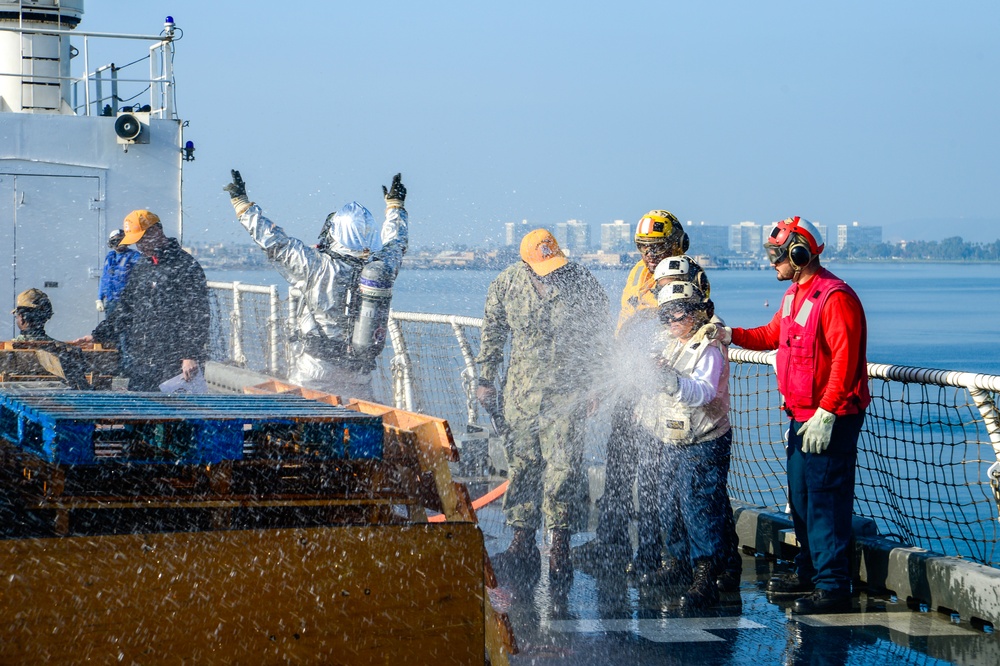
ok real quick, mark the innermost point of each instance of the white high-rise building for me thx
(514, 232)
(746, 238)
(573, 236)
(616, 237)
(705, 238)
(856, 235)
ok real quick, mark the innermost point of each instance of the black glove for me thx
(237, 188)
(395, 195)
(238, 193)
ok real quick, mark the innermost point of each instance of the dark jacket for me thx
(163, 315)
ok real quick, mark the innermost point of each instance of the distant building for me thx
(710, 239)
(601, 259)
(453, 258)
(821, 228)
(514, 232)
(855, 235)
(616, 237)
(746, 238)
(573, 236)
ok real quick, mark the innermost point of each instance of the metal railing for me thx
(88, 96)
(928, 453)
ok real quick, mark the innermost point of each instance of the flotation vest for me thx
(803, 367)
(638, 293)
(672, 421)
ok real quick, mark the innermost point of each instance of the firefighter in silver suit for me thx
(345, 282)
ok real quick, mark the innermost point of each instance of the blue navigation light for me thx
(169, 19)
(188, 151)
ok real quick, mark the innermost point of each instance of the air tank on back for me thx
(370, 328)
(34, 66)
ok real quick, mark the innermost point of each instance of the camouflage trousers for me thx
(545, 458)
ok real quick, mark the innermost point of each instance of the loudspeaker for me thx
(130, 128)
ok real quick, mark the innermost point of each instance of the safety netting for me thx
(925, 453)
(248, 328)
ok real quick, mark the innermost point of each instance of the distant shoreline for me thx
(210, 264)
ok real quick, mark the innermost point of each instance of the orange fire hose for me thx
(477, 503)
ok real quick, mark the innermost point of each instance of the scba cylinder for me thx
(375, 285)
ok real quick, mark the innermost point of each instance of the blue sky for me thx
(880, 112)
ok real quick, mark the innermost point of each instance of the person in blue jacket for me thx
(118, 264)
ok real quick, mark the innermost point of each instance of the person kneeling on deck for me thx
(32, 311)
(684, 461)
(823, 376)
(345, 284)
(555, 313)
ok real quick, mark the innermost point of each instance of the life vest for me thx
(672, 421)
(803, 367)
(638, 294)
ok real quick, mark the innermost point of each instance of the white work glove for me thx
(816, 431)
(723, 334)
(100, 305)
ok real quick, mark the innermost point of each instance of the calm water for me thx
(926, 315)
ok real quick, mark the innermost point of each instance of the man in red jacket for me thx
(821, 337)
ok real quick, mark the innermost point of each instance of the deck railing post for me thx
(469, 374)
(237, 327)
(273, 325)
(402, 371)
(991, 419)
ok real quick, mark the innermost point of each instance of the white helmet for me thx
(682, 268)
(678, 293)
(686, 297)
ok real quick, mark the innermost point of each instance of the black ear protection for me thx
(685, 243)
(799, 254)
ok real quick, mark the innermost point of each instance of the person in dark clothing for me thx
(163, 313)
(32, 311)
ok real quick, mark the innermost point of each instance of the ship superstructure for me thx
(78, 151)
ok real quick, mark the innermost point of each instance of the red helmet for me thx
(796, 238)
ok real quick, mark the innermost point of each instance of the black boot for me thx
(602, 559)
(788, 584)
(560, 563)
(672, 573)
(521, 564)
(703, 592)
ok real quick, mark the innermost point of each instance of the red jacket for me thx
(821, 337)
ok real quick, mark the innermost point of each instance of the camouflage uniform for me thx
(34, 336)
(557, 349)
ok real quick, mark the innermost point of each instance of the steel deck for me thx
(612, 622)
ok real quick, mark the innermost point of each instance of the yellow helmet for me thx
(661, 226)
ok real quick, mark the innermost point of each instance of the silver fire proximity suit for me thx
(327, 278)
